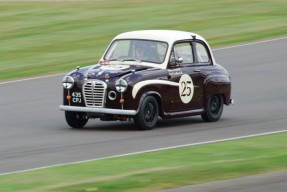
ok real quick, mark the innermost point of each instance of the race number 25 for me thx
(186, 88)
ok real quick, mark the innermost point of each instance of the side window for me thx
(202, 54)
(184, 51)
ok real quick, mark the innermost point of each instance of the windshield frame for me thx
(132, 42)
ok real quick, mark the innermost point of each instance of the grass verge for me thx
(40, 37)
(159, 170)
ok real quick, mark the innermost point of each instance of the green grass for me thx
(47, 37)
(159, 170)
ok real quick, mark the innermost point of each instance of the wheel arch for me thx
(217, 84)
(157, 97)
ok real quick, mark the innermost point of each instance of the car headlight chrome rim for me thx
(121, 85)
(68, 82)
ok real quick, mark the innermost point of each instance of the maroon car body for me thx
(148, 74)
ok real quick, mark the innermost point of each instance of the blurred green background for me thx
(42, 37)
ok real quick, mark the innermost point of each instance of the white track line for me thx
(216, 49)
(148, 151)
(32, 78)
(248, 44)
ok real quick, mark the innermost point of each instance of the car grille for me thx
(95, 93)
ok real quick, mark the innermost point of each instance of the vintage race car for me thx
(144, 75)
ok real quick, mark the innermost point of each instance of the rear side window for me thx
(202, 54)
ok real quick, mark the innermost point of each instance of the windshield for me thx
(137, 50)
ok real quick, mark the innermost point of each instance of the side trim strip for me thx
(98, 110)
(141, 84)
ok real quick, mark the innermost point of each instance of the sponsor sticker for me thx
(174, 72)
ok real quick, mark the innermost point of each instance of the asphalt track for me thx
(35, 134)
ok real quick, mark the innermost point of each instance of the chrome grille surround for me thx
(95, 93)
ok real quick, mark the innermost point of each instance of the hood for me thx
(112, 71)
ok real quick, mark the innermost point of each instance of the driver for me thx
(146, 52)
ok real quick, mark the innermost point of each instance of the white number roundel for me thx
(185, 88)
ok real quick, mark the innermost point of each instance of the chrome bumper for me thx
(98, 110)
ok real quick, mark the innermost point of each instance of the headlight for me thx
(121, 85)
(68, 82)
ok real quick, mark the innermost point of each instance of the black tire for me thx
(76, 119)
(213, 109)
(147, 116)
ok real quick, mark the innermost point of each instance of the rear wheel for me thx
(147, 116)
(213, 109)
(76, 119)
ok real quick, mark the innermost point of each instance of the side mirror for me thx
(174, 62)
(179, 60)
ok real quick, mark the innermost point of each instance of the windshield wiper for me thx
(125, 59)
(114, 60)
(132, 59)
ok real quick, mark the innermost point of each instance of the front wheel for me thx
(213, 108)
(147, 116)
(76, 119)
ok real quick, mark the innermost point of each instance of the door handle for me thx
(196, 70)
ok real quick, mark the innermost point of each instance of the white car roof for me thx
(168, 36)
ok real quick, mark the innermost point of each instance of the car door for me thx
(186, 70)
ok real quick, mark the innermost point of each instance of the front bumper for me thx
(98, 110)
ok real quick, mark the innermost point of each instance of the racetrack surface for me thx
(34, 132)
